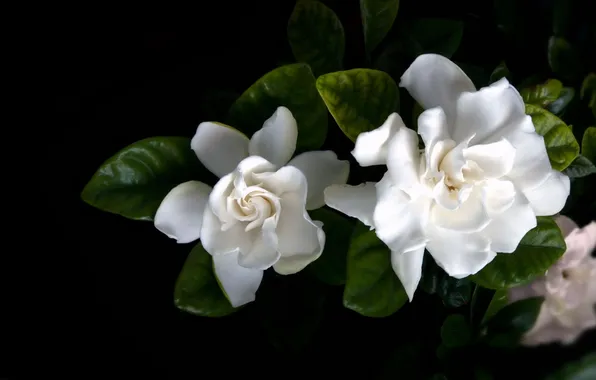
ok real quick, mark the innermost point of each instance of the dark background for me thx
(118, 77)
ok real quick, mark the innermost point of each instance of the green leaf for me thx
(538, 250)
(134, 181)
(292, 86)
(377, 18)
(455, 292)
(589, 88)
(501, 71)
(331, 266)
(542, 94)
(456, 331)
(316, 36)
(565, 97)
(589, 144)
(434, 35)
(580, 167)
(498, 302)
(563, 59)
(372, 287)
(197, 289)
(561, 145)
(511, 322)
(582, 369)
(359, 100)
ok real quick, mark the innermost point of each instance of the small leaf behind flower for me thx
(510, 323)
(589, 144)
(456, 332)
(372, 287)
(197, 290)
(377, 19)
(538, 250)
(542, 94)
(580, 167)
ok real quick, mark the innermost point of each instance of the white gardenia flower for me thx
(475, 189)
(255, 217)
(568, 288)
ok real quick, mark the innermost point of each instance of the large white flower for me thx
(255, 216)
(475, 189)
(568, 288)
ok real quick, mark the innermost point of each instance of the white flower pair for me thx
(255, 216)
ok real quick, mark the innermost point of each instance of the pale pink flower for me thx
(568, 288)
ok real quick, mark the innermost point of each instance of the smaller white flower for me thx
(255, 217)
(568, 288)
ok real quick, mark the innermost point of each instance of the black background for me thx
(117, 77)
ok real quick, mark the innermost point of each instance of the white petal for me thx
(435, 81)
(239, 284)
(297, 234)
(432, 126)
(276, 141)
(250, 166)
(218, 198)
(399, 221)
(403, 159)
(491, 111)
(286, 179)
(355, 201)
(263, 253)
(498, 196)
(549, 197)
(371, 147)
(219, 242)
(495, 159)
(294, 264)
(219, 147)
(408, 268)
(470, 216)
(180, 214)
(321, 169)
(459, 254)
(507, 228)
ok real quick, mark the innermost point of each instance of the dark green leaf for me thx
(511, 322)
(589, 89)
(197, 290)
(565, 97)
(563, 59)
(580, 167)
(538, 250)
(456, 331)
(542, 94)
(134, 181)
(455, 292)
(434, 35)
(589, 144)
(561, 145)
(360, 100)
(432, 275)
(377, 18)
(501, 71)
(331, 266)
(497, 303)
(316, 36)
(372, 287)
(582, 369)
(292, 86)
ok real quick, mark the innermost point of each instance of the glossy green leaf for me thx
(377, 19)
(292, 86)
(580, 167)
(561, 145)
(498, 302)
(359, 100)
(589, 144)
(316, 36)
(331, 266)
(455, 331)
(501, 71)
(542, 94)
(562, 58)
(434, 35)
(134, 181)
(372, 287)
(455, 292)
(582, 369)
(510, 323)
(538, 250)
(565, 97)
(197, 290)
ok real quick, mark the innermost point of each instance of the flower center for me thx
(252, 205)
